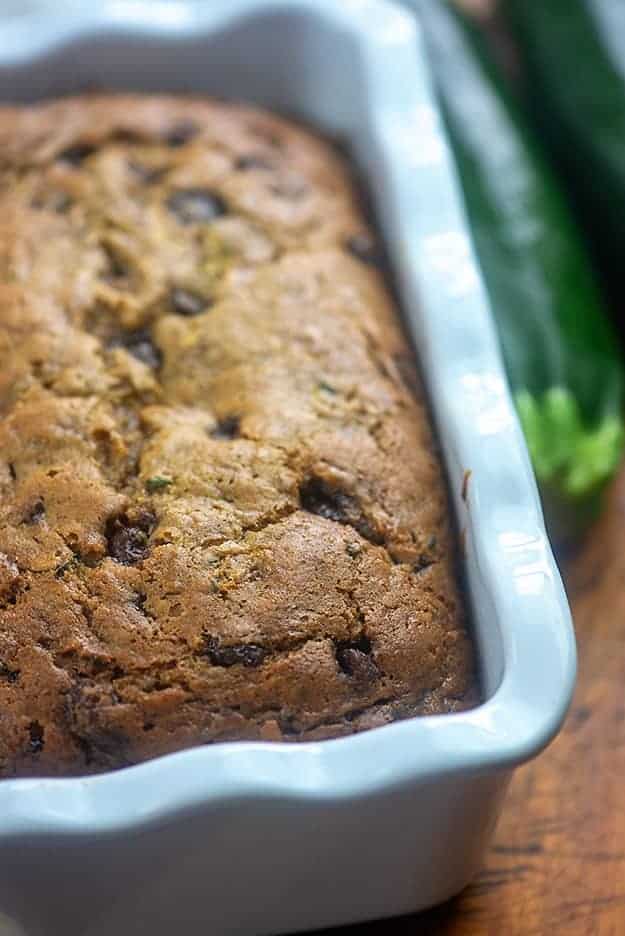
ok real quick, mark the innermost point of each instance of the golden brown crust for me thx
(221, 515)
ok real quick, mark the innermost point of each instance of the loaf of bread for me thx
(222, 515)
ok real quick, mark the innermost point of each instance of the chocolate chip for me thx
(35, 741)
(228, 428)
(250, 655)
(145, 350)
(195, 205)
(35, 513)
(185, 302)
(181, 133)
(128, 537)
(287, 723)
(149, 175)
(128, 545)
(139, 343)
(422, 563)
(12, 471)
(8, 674)
(76, 155)
(355, 661)
(320, 498)
(357, 664)
(364, 248)
(253, 161)
(139, 599)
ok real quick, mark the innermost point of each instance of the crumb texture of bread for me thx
(222, 514)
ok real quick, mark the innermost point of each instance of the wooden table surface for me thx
(557, 863)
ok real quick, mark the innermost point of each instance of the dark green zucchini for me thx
(573, 56)
(561, 355)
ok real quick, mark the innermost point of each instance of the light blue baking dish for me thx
(253, 838)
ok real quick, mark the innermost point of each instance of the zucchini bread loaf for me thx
(221, 511)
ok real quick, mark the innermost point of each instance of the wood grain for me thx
(557, 864)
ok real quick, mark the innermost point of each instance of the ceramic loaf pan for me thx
(253, 838)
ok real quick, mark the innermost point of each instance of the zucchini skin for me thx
(561, 355)
(573, 55)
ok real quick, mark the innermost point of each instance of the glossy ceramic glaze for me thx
(254, 838)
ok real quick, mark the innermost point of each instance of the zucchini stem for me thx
(565, 451)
